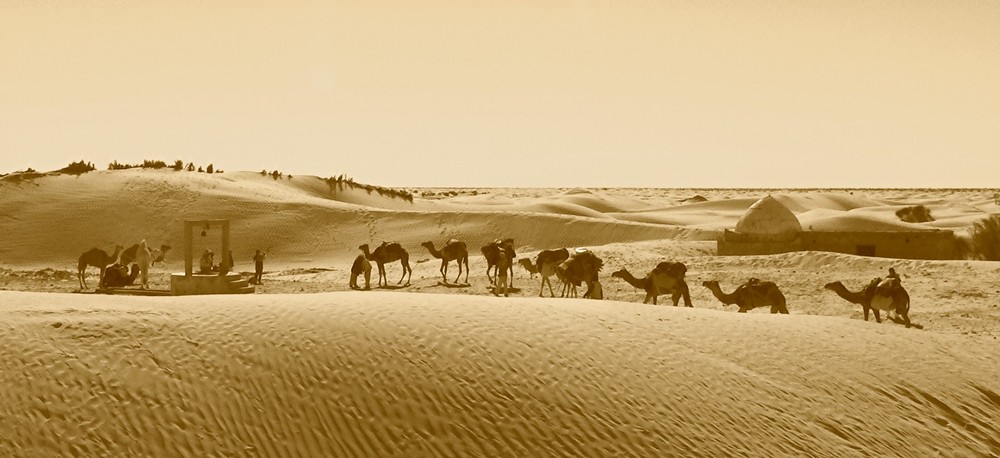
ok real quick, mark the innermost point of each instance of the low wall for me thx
(182, 285)
(902, 245)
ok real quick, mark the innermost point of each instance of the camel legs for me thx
(406, 270)
(443, 270)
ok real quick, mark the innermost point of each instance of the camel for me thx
(491, 252)
(361, 265)
(144, 258)
(581, 267)
(95, 257)
(389, 252)
(667, 277)
(128, 256)
(546, 263)
(895, 300)
(453, 250)
(752, 294)
(160, 253)
(528, 265)
(117, 276)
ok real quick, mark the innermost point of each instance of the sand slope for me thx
(394, 374)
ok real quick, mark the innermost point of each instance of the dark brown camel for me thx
(750, 295)
(453, 250)
(95, 257)
(581, 267)
(117, 276)
(385, 253)
(666, 278)
(491, 252)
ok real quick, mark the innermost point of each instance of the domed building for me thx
(769, 227)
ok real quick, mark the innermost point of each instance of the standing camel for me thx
(95, 257)
(389, 252)
(581, 267)
(144, 258)
(491, 252)
(898, 302)
(546, 263)
(361, 266)
(750, 295)
(453, 250)
(666, 278)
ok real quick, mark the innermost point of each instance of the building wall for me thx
(902, 245)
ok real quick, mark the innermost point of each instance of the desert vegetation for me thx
(342, 182)
(915, 214)
(985, 239)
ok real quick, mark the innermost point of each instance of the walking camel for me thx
(898, 299)
(95, 257)
(361, 266)
(385, 253)
(491, 252)
(750, 295)
(546, 263)
(581, 267)
(453, 250)
(665, 278)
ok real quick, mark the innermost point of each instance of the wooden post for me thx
(225, 267)
(188, 248)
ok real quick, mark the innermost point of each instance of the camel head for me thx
(620, 273)
(710, 284)
(428, 245)
(833, 285)
(528, 265)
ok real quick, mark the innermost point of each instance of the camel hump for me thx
(676, 269)
(888, 286)
(451, 242)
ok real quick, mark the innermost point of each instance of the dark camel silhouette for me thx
(751, 295)
(385, 253)
(581, 267)
(453, 250)
(95, 257)
(491, 252)
(117, 276)
(665, 278)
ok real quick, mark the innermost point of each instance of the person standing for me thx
(258, 264)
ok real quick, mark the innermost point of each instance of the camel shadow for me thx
(900, 321)
(453, 285)
(394, 286)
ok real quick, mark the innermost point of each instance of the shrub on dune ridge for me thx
(985, 239)
(915, 214)
(341, 182)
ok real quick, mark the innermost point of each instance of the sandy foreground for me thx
(306, 367)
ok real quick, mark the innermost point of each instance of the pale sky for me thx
(533, 93)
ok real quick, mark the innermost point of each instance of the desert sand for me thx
(308, 367)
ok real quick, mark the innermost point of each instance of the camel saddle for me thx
(888, 286)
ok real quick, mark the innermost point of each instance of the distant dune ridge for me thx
(462, 373)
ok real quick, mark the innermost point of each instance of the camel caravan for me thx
(572, 268)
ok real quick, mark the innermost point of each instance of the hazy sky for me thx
(513, 93)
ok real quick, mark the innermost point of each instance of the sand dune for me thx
(403, 375)
(459, 372)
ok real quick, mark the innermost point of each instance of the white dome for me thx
(770, 217)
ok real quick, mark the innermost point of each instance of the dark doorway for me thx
(865, 250)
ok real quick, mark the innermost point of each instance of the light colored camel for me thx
(385, 253)
(160, 253)
(864, 297)
(750, 295)
(660, 281)
(95, 257)
(546, 263)
(453, 250)
(491, 252)
(144, 258)
(361, 266)
(891, 296)
(581, 267)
